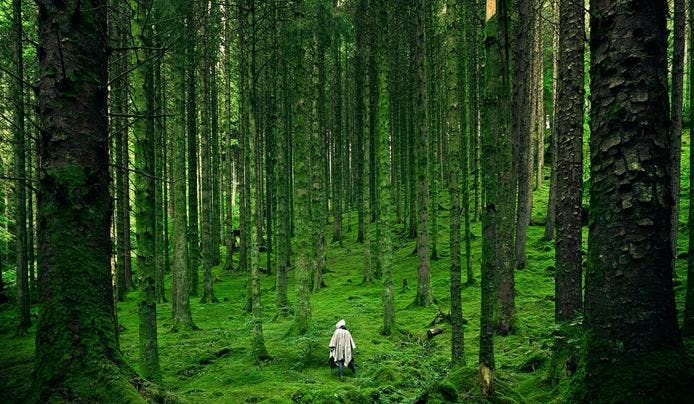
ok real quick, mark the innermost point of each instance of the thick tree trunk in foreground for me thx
(77, 355)
(633, 347)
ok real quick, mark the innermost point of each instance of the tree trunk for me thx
(688, 323)
(523, 78)
(23, 296)
(192, 133)
(568, 142)
(76, 332)
(552, 203)
(498, 215)
(301, 141)
(424, 293)
(630, 315)
(676, 118)
(145, 213)
(207, 70)
(454, 41)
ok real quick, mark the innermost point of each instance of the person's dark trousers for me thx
(341, 367)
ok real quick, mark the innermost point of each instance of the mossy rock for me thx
(388, 375)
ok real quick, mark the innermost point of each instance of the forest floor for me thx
(216, 364)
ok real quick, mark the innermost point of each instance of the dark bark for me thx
(569, 164)
(23, 296)
(521, 123)
(76, 340)
(359, 109)
(192, 132)
(632, 345)
(424, 293)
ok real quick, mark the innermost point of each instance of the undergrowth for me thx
(216, 364)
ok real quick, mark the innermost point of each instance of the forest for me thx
(479, 200)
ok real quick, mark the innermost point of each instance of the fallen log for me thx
(432, 332)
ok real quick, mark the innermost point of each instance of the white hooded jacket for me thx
(341, 344)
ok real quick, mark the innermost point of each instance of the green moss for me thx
(399, 368)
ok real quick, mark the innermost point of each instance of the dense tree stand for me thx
(633, 347)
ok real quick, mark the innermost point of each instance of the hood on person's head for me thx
(340, 323)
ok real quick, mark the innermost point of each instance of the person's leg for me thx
(352, 366)
(340, 367)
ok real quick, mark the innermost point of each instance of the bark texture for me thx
(77, 356)
(633, 347)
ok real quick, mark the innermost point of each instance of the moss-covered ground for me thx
(216, 364)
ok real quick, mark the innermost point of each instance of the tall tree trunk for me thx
(676, 118)
(630, 315)
(568, 142)
(180, 289)
(192, 133)
(301, 141)
(552, 203)
(283, 190)
(119, 129)
(359, 109)
(688, 323)
(230, 148)
(23, 296)
(498, 215)
(424, 295)
(523, 76)
(76, 332)
(337, 136)
(206, 158)
(160, 244)
(145, 212)
(454, 91)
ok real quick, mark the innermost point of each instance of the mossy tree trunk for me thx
(337, 155)
(521, 123)
(360, 55)
(192, 133)
(180, 289)
(424, 295)
(498, 214)
(208, 69)
(499, 186)
(77, 355)
(284, 178)
(676, 109)
(632, 344)
(305, 262)
(120, 25)
(18, 129)
(453, 92)
(688, 323)
(145, 211)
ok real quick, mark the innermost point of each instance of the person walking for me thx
(341, 349)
